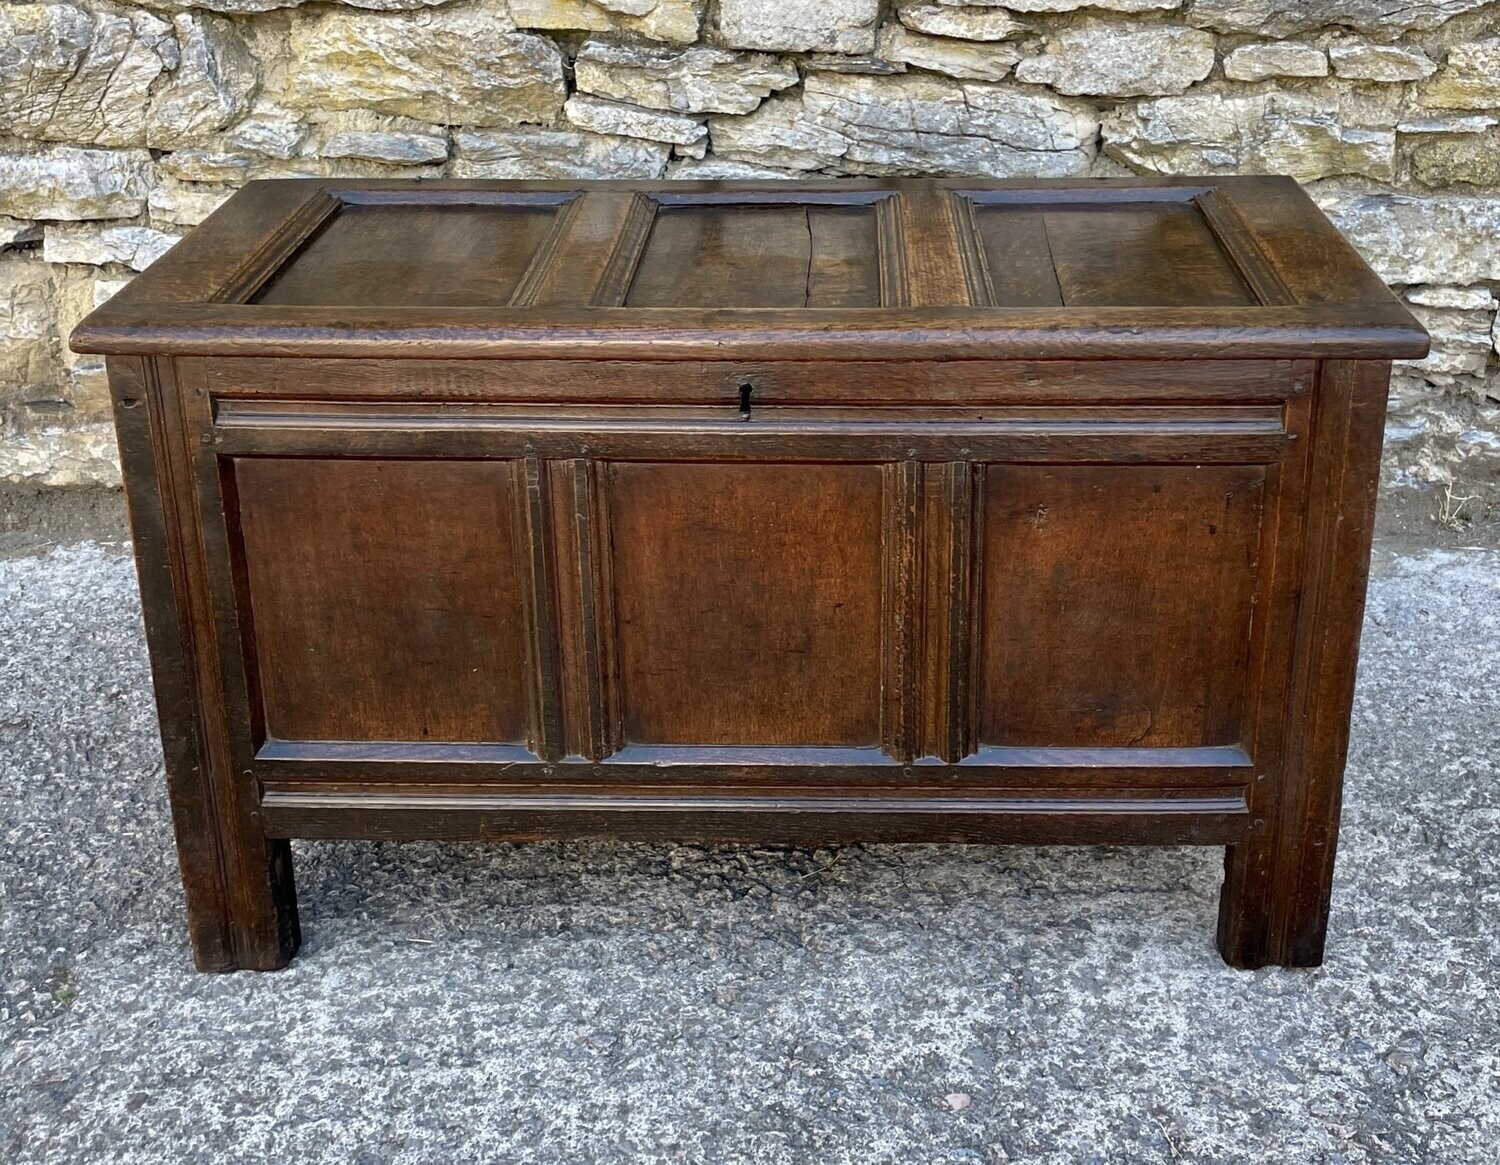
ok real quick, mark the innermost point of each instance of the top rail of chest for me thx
(1220, 268)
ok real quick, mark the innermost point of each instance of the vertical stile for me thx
(947, 568)
(900, 603)
(599, 640)
(929, 234)
(536, 572)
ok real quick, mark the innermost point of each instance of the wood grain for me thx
(384, 600)
(410, 255)
(772, 637)
(759, 256)
(1117, 604)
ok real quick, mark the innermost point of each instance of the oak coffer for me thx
(808, 512)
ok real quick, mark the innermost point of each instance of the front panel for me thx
(747, 603)
(380, 600)
(1004, 596)
(1116, 604)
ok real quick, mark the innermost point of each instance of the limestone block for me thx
(1469, 78)
(701, 79)
(221, 166)
(971, 60)
(1257, 62)
(1380, 62)
(675, 21)
(447, 66)
(1289, 17)
(835, 26)
(1473, 161)
(111, 78)
(865, 63)
(54, 456)
(613, 117)
(1267, 131)
(68, 74)
(1121, 60)
(78, 291)
(267, 130)
(1074, 5)
(185, 204)
(28, 356)
(780, 134)
(913, 124)
(1458, 124)
(722, 169)
(136, 247)
(1462, 340)
(212, 167)
(1409, 238)
(563, 154)
(68, 182)
(251, 7)
(967, 23)
(378, 137)
(211, 86)
(1476, 297)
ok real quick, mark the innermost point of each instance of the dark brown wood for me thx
(383, 599)
(1340, 331)
(808, 512)
(1279, 882)
(405, 255)
(862, 382)
(773, 636)
(1117, 604)
(803, 256)
(241, 902)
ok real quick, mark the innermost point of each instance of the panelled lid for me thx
(952, 268)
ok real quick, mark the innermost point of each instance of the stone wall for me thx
(121, 126)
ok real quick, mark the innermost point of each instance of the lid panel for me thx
(1106, 254)
(726, 255)
(888, 268)
(393, 254)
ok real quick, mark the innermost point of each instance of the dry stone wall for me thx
(121, 126)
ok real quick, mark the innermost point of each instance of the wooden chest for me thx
(899, 511)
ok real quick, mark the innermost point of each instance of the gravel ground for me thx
(583, 1003)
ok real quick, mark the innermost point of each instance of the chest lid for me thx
(867, 269)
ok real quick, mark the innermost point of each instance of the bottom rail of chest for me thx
(250, 921)
(790, 817)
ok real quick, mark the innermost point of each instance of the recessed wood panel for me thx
(747, 603)
(413, 255)
(1117, 604)
(1119, 254)
(384, 601)
(725, 255)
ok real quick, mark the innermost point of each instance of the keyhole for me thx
(745, 389)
